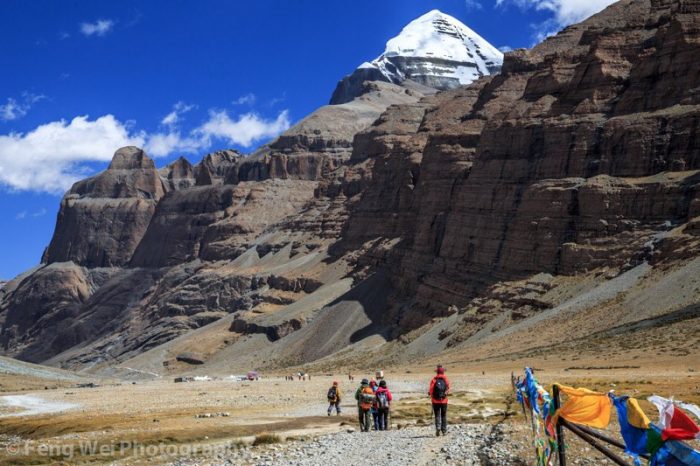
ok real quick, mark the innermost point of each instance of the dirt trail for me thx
(465, 444)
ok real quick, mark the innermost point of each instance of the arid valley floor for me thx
(276, 421)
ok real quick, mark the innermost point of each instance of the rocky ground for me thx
(465, 444)
(272, 421)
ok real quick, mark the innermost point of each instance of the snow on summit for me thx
(440, 37)
(434, 50)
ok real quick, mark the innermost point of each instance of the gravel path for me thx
(470, 444)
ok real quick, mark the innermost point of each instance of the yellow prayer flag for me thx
(585, 407)
(635, 415)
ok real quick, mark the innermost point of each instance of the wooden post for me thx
(600, 436)
(559, 430)
(592, 441)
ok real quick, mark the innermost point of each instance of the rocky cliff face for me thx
(112, 211)
(416, 220)
(571, 150)
(142, 255)
(579, 155)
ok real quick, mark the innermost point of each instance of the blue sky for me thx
(81, 78)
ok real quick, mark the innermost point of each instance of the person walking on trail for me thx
(375, 414)
(334, 399)
(383, 403)
(365, 397)
(439, 391)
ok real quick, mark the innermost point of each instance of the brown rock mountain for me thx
(564, 191)
(102, 219)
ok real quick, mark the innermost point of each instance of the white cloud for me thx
(170, 119)
(24, 214)
(244, 131)
(161, 144)
(276, 100)
(472, 4)
(135, 19)
(544, 30)
(13, 109)
(52, 156)
(98, 28)
(572, 11)
(173, 118)
(505, 48)
(564, 12)
(248, 99)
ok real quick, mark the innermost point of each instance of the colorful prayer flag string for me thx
(661, 443)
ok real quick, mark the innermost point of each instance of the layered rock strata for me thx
(393, 216)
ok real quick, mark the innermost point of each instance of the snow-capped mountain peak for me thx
(435, 49)
(437, 35)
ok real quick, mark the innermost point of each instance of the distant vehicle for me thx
(252, 375)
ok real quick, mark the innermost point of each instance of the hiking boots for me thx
(437, 433)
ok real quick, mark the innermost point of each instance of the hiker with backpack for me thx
(373, 409)
(334, 399)
(365, 397)
(383, 403)
(439, 391)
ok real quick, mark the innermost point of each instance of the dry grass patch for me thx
(184, 431)
(464, 406)
(266, 439)
(20, 383)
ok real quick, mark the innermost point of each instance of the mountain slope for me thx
(559, 197)
(141, 255)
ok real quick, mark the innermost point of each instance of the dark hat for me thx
(364, 382)
(382, 383)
